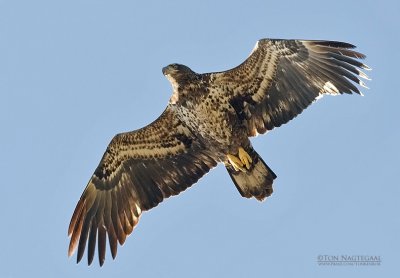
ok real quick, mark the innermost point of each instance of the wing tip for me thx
(336, 44)
(363, 75)
(366, 67)
(71, 250)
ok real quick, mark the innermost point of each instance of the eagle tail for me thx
(255, 182)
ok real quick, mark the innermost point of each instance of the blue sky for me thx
(74, 73)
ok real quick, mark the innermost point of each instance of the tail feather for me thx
(255, 182)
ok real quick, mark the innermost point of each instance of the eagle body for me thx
(214, 121)
(208, 120)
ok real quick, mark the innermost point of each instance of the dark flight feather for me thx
(134, 177)
(283, 77)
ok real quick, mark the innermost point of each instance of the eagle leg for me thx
(245, 158)
(242, 162)
(235, 162)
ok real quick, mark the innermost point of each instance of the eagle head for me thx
(179, 75)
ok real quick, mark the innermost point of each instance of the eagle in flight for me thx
(208, 120)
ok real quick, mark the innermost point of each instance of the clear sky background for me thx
(75, 73)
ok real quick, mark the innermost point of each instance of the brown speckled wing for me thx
(138, 170)
(281, 78)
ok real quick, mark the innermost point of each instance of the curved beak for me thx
(165, 70)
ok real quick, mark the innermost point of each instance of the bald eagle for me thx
(208, 120)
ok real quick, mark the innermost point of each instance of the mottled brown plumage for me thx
(208, 120)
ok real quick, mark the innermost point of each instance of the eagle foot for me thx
(245, 158)
(241, 163)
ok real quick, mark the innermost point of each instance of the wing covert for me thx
(138, 170)
(281, 78)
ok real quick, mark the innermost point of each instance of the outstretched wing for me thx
(138, 170)
(281, 78)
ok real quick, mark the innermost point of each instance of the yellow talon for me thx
(238, 163)
(245, 158)
(235, 162)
